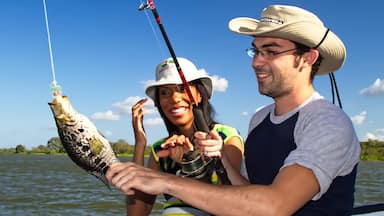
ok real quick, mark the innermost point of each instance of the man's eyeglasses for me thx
(267, 54)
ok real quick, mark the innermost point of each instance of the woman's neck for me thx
(186, 130)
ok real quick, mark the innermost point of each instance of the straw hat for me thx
(298, 25)
(166, 73)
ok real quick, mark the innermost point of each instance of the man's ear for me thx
(311, 56)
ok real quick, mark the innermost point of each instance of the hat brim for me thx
(151, 88)
(331, 49)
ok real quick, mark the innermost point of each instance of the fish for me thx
(83, 142)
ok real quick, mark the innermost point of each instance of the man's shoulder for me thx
(321, 108)
(263, 110)
(260, 115)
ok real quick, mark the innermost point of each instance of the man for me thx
(301, 151)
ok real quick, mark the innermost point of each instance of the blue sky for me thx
(106, 51)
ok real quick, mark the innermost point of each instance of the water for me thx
(370, 183)
(54, 185)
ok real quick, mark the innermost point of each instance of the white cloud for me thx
(125, 107)
(377, 88)
(219, 84)
(359, 119)
(245, 113)
(378, 134)
(153, 121)
(108, 115)
(147, 83)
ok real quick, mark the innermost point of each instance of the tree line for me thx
(372, 150)
(54, 146)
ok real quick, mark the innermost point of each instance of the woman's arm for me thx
(139, 132)
(232, 157)
(231, 153)
(140, 203)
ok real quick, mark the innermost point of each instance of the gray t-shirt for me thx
(325, 138)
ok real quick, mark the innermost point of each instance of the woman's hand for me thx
(139, 131)
(210, 144)
(137, 122)
(175, 147)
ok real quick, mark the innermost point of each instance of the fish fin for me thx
(102, 134)
(101, 178)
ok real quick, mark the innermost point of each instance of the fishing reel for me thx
(196, 165)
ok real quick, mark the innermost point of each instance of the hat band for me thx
(322, 40)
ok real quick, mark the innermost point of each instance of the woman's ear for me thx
(198, 97)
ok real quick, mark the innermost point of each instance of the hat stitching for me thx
(272, 20)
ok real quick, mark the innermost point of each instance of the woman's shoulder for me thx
(224, 128)
(156, 146)
(226, 131)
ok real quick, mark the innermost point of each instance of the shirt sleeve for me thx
(227, 132)
(156, 147)
(326, 143)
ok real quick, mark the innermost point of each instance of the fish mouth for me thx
(61, 108)
(57, 99)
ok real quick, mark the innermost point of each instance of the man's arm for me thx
(294, 186)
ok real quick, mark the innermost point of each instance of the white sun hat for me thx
(166, 73)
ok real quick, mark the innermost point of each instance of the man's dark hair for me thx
(300, 50)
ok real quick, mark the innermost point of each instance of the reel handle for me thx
(202, 125)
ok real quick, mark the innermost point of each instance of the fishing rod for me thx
(199, 120)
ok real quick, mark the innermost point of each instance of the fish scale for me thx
(84, 144)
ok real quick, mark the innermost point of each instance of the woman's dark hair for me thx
(300, 50)
(205, 106)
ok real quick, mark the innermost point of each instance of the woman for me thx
(174, 106)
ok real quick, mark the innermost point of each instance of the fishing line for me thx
(154, 32)
(151, 5)
(54, 86)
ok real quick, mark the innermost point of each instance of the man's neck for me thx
(287, 103)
